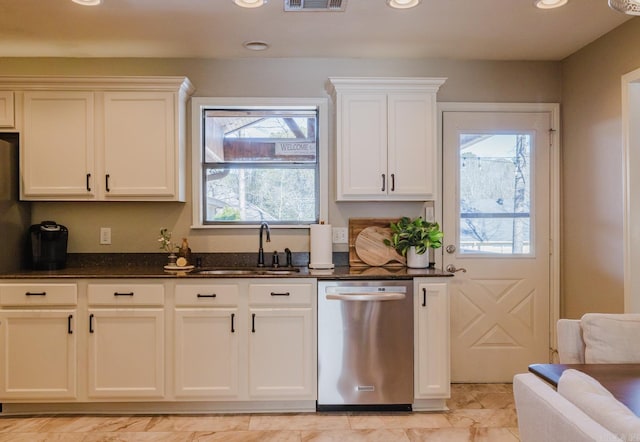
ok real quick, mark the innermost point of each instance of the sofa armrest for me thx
(570, 342)
(544, 415)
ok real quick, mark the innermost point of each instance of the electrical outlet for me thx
(105, 235)
(340, 235)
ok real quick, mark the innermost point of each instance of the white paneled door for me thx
(496, 219)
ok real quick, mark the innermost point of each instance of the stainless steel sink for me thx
(247, 271)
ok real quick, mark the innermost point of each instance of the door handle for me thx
(452, 269)
(450, 248)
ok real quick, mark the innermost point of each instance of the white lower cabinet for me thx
(282, 344)
(281, 354)
(245, 341)
(431, 322)
(206, 341)
(125, 350)
(248, 344)
(38, 345)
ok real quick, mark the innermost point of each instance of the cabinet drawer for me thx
(219, 295)
(38, 294)
(126, 294)
(281, 294)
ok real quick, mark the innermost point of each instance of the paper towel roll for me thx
(321, 250)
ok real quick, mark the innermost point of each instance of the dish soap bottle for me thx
(184, 251)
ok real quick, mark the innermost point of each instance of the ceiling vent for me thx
(315, 5)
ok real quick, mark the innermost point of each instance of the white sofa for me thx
(584, 411)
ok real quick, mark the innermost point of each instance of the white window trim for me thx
(199, 104)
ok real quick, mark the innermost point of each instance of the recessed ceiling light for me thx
(403, 4)
(87, 2)
(630, 7)
(549, 4)
(250, 3)
(256, 45)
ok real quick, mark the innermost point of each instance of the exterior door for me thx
(496, 219)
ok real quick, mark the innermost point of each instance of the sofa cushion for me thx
(598, 403)
(611, 338)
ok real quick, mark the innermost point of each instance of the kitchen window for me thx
(258, 160)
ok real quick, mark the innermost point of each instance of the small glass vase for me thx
(172, 259)
(416, 261)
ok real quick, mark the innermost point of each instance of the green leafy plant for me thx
(416, 233)
(165, 241)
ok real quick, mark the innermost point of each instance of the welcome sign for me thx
(295, 148)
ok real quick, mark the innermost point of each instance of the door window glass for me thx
(495, 193)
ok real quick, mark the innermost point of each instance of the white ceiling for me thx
(458, 29)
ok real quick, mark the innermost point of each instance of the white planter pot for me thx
(416, 261)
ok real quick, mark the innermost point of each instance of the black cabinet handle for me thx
(280, 294)
(424, 297)
(393, 182)
(106, 183)
(253, 322)
(36, 294)
(91, 323)
(123, 294)
(213, 295)
(69, 330)
(88, 182)
(233, 317)
(384, 177)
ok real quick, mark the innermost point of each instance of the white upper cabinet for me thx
(101, 138)
(58, 145)
(386, 138)
(140, 154)
(6, 109)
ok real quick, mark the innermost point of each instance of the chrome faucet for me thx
(263, 226)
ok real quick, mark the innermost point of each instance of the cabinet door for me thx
(362, 147)
(57, 145)
(38, 355)
(126, 353)
(6, 109)
(412, 146)
(281, 354)
(206, 353)
(432, 373)
(140, 145)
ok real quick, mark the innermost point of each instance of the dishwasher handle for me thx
(389, 296)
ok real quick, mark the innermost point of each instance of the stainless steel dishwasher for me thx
(365, 345)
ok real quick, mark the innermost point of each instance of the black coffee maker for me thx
(48, 245)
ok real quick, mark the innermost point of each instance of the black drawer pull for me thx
(88, 182)
(424, 297)
(36, 294)
(233, 317)
(91, 323)
(213, 295)
(393, 182)
(280, 294)
(69, 330)
(123, 294)
(253, 322)
(106, 183)
(383, 182)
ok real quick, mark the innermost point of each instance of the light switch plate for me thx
(105, 235)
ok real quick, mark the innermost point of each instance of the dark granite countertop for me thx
(133, 265)
(121, 272)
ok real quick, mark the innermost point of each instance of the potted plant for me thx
(413, 239)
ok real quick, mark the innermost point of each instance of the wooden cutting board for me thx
(371, 248)
(356, 226)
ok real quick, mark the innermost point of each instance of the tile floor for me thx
(478, 412)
